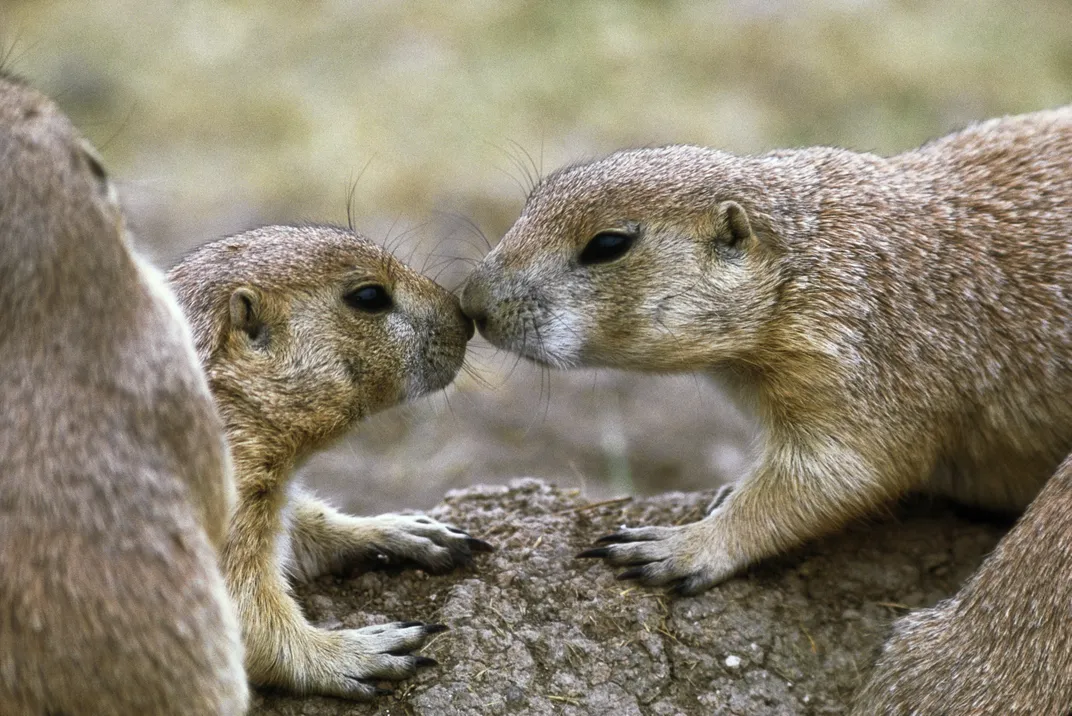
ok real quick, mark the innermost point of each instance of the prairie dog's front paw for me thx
(349, 662)
(688, 559)
(423, 541)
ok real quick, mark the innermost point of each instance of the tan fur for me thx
(897, 323)
(293, 367)
(115, 483)
(1003, 644)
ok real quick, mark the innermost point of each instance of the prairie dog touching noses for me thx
(115, 483)
(897, 324)
(303, 331)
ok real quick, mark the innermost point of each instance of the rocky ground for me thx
(534, 631)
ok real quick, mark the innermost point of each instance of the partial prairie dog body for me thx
(1002, 644)
(897, 324)
(115, 483)
(303, 331)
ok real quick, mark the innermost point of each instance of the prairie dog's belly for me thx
(1008, 448)
(994, 474)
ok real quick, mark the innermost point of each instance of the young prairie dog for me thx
(115, 484)
(303, 331)
(897, 324)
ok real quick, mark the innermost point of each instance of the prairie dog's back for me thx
(954, 256)
(114, 478)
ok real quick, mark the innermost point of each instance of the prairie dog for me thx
(115, 482)
(303, 331)
(1002, 644)
(897, 324)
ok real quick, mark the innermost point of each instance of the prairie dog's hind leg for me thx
(323, 539)
(1002, 644)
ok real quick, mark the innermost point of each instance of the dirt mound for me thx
(534, 631)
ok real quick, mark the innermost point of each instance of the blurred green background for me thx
(218, 116)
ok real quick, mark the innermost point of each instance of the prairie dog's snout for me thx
(474, 299)
(469, 323)
(478, 296)
(440, 331)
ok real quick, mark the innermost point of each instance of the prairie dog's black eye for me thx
(606, 246)
(370, 299)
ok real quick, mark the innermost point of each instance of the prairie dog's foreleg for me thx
(282, 648)
(795, 494)
(322, 539)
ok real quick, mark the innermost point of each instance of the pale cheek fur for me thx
(562, 337)
(547, 327)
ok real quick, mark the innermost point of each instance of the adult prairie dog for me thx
(115, 484)
(303, 331)
(897, 324)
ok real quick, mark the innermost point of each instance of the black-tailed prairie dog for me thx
(897, 324)
(303, 331)
(115, 484)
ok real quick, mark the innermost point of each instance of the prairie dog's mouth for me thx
(527, 318)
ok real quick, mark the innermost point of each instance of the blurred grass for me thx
(227, 111)
(221, 115)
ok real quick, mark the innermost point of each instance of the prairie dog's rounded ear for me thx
(245, 310)
(732, 227)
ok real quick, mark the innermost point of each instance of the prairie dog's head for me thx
(651, 259)
(61, 227)
(304, 330)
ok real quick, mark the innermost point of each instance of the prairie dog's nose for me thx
(470, 328)
(475, 298)
(464, 320)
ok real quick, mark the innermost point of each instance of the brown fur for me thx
(897, 323)
(115, 483)
(293, 367)
(1003, 644)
